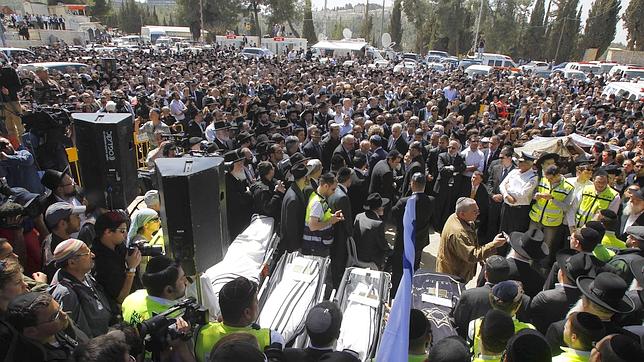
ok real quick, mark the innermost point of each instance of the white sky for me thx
(620, 35)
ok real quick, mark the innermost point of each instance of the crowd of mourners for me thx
(333, 154)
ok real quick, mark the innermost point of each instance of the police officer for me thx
(551, 202)
(591, 199)
(319, 218)
(239, 309)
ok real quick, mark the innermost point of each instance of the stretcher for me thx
(295, 286)
(436, 294)
(248, 255)
(361, 297)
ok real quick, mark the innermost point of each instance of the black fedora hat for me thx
(608, 291)
(575, 264)
(298, 157)
(219, 125)
(548, 156)
(529, 244)
(375, 201)
(233, 156)
(284, 123)
(52, 178)
(243, 137)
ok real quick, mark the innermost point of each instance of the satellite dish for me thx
(321, 37)
(386, 40)
(346, 33)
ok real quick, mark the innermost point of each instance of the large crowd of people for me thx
(333, 154)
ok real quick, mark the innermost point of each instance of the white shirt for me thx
(631, 220)
(177, 108)
(520, 186)
(210, 132)
(473, 158)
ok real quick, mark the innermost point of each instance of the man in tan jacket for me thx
(459, 250)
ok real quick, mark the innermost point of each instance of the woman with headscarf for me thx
(144, 229)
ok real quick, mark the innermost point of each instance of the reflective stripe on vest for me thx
(210, 334)
(320, 236)
(546, 212)
(476, 345)
(591, 202)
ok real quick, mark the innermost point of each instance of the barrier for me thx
(72, 157)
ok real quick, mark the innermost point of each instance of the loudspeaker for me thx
(193, 210)
(106, 155)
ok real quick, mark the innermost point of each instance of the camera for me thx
(146, 249)
(157, 330)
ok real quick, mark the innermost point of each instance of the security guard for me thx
(595, 197)
(551, 203)
(239, 309)
(608, 218)
(507, 297)
(319, 219)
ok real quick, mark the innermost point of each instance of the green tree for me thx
(634, 23)
(155, 17)
(395, 26)
(601, 25)
(367, 24)
(534, 36)
(563, 31)
(336, 31)
(423, 15)
(284, 11)
(130, 17)
(451, 17)
(100, 9)
(218, 15)
(308, 30)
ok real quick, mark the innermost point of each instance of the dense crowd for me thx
(333, 154)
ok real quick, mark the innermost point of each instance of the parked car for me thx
(534, 66)
(256, 53)
(12, 52)
(466, 63)
(475, 70)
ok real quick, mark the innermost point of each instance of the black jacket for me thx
(342, 230)
(415, 166)
(266, 201)
(292, 219)
(328, 147)
(347, 156)
(400, 144)
(358, 192)
(312, 151)
(524, 273)
(445, 175)
(239, 198)
(382, 180)
(369, 236)
(552, 305)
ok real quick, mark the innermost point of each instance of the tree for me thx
(367, 24)
(155, 17)
(284, 11)
(422, 14)
(336, 31)
(100, 9)
(451, 18)
(534, 36)
(395, 26)
(563, 31)
(308, 30)
(218, 15)
(634, 22)
(130, 17)
(601, 24)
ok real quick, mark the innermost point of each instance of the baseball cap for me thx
(59, 211)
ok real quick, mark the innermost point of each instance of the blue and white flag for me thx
(394, 346)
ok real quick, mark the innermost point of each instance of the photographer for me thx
(115, 267)
(165, 283)
(239, 310)
(10, 108)
(150, 128)
(144, 230)
(18, 167)
(46, 90)
(76, 290)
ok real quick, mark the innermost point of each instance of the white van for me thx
(627, 71)
(477, 69)
(625, 90)
(585, 67)
(495, 60)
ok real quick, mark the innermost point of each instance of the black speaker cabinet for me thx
(193, 210)
(106, 155)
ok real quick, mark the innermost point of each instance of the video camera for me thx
(145, 249)
(157, 330)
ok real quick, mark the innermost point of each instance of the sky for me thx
(620, 34)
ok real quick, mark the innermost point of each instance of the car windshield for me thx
(634, 73)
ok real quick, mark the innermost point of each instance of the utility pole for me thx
(478, 27)
(382, 22)
(326, 20)
(563, 26)
(201, 20)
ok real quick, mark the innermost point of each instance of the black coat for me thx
(239, 198)
(292, 219)
(432, 166)
(369, 236)
(347, 156)
(552, 305)
(266, 201)
(447, 187)
(415, 166)
(475, 303)
(526, 274)
(400, 144)
(382, 180)
(195, 130)
(311, 150)
(424, 214)
(328, 147)
(490, 158)
(378, 155)
(358, 192)
(304, 354)
(554, 335)
(341, 232)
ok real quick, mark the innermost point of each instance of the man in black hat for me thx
(424, 213)
(329, 144)
(238, 194)
(517, 190)
(62, 186)
(292, 212)
(496, 328)
(382, 175)
(603, 296)
(323, 328)
(527, 248)
(239, 311)
(617, 348)
(359, 189)
(217, 132)
(343, 229)
(552, 305)
(369, 231)
(633, 213)
(581, 331)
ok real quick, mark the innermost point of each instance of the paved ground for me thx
(428, 260)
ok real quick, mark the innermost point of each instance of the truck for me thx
(151, 34)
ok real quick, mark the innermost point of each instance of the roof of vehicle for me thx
(482, 67)
(54, 64)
